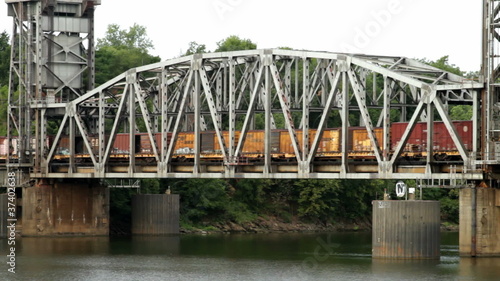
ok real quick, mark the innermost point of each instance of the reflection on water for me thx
(480, 268)
(337, 256)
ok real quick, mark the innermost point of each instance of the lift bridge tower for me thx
(52, 62)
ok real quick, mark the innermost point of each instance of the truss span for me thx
(267, 114)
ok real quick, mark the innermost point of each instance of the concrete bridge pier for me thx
(479, 222)
(155, 214)
(65, 208)
(406, 229)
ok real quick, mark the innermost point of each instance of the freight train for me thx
(359, 145)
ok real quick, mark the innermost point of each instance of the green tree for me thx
(443, 64)
(235, 43)
(195, 48)
(121, 50)
(4, 80)
(4, 59)
(134, 38)
(4, 93)
(318, 198)
(461, 112)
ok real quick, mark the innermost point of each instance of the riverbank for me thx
(275, 225)
(270, 225)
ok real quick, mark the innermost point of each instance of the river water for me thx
(336, 256)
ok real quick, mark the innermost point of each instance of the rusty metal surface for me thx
(406, 229)
(155, 214)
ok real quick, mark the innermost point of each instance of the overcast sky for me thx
(412, 28)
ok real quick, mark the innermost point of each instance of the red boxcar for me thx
(143, 145)
(442, 140)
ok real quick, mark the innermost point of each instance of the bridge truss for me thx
(231, 94)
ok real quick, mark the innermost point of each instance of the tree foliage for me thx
(235, 43)
(134, 38)
(444, 64)
(318, 198)
(5, 59)
(4, 80)
(121, 50)
(195, 48)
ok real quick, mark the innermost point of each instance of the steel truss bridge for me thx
(232, 94)
(224, 92)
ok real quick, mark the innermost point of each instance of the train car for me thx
(442, 145)
(329, 142)
(143, 146)
(360, 144)
(329, 147)
(210, 144)
(254, 143)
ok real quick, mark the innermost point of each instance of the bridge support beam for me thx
(64, 208)
(479, 222)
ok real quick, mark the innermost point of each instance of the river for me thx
(335, 256)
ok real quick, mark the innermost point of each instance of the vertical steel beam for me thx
(102, 132)
(297, 98)
(91, 50)
(345, 118)
(267, 115)
(305, 118)
(197, 117)
(386, 112)
(72, 150)
(288, 81)
(218, 93)
(131, 77)
(430, 138)
(164, 116)
(475, 123)
(232, 112)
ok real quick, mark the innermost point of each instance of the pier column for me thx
(406, 229)
(155, 214)
(479, 222)
(65, 208)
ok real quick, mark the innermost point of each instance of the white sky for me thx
(412, 28)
